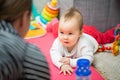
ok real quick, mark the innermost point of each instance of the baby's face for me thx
(69, 32)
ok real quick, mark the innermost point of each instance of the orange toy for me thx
(115, 45)
(114, 48)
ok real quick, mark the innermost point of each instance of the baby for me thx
(72, 44)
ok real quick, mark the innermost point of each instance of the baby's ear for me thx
(81, 32)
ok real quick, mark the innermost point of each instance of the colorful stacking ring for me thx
(46, 17)
(53, 3)
(49, 14)
(43, 20)
(51, 10)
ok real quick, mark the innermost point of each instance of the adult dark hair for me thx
(13, 9)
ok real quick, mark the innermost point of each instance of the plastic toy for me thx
(83, 71)
(49, 12)
(115, 45)
(36, 30)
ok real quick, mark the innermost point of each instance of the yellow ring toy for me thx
(51, 10)
(53, 3)
(49, 14)
(46, 17)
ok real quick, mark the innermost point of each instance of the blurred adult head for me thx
(18, 13)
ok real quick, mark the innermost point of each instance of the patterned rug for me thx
(35, 30)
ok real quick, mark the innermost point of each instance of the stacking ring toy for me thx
(43, 20)
(49, 12)
(46, 17)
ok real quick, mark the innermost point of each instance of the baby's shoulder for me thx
(85, 38)
(84, 35)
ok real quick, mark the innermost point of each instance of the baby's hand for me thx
(65, 60)
(66, 69)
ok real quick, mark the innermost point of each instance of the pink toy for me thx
(53, 27)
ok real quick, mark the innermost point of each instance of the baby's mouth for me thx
(66, 42)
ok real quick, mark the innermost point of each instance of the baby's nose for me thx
(65, 36)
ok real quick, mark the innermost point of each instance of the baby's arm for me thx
(56, 56)
(85, 53)
(65, 60)
(55, 53)
(61, 62)
(86, 48)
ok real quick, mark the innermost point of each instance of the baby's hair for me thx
(73, 12)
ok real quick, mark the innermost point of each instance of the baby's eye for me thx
(61, 32)
(70, 33)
